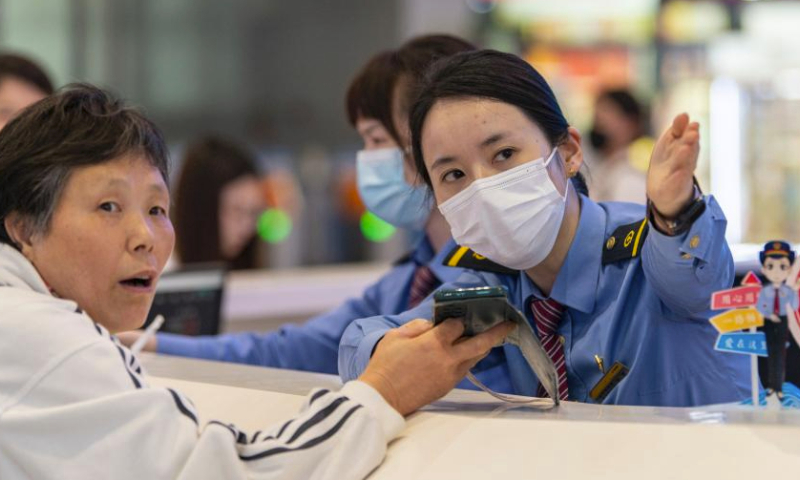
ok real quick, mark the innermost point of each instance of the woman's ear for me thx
(571, 152)
(19, 231)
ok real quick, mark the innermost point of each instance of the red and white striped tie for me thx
(547, 314)
(422, 285)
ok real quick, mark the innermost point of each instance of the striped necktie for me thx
(422, 285)
(547, 314)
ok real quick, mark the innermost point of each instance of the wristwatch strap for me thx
(682, 222)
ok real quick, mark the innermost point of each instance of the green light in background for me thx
(274, 225)
(374, 229)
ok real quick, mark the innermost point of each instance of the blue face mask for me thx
(384, 191)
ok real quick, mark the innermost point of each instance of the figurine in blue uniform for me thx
(618, 293)
(776, 259)
(389, 187)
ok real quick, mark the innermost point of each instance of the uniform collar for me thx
(17, 271)
(424, 254)
(576, 283)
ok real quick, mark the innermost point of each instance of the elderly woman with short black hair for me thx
(84, 234)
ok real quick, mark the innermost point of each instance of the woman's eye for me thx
(158, 211)
(110, 207)
(504, 154)
(452, 175)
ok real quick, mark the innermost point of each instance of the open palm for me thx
(672, 165)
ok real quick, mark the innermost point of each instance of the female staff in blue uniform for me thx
(387, 183)
(618, 294)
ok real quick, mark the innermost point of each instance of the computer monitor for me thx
(190, 299)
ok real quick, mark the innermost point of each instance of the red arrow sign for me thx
(751, 279)
(735, 297)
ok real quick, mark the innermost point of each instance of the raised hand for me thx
(669, 178)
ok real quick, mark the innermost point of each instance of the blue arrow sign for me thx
(742, 342)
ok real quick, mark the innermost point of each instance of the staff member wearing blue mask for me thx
(391, 189)
(617, 293)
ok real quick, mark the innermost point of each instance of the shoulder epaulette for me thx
(625, 243)
(463, 257)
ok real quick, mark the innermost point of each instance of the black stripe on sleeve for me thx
(238, 435)
(317, 418)
(311, 443)
(230, 429)
(284, 427)
(184, 410)
(255, 436)
(317, 395)
(136, 381)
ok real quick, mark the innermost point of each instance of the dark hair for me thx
(209, 164)
(26, 70)
(81, 125)
(370, 92)
(491, 75)
(628, 105)
(415, 57)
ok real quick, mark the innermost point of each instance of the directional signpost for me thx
(746, 296)
(743, 342)
(737, 319)
(741, 315)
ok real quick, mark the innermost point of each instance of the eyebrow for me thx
(369, 129)
(490, 140)
(158, 188)
(118, 182)
(442, 161)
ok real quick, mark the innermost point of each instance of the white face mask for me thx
(385, 193)
(511, 218)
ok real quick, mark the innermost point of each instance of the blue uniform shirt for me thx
(313, 346)
(766, 300)
(650, 313)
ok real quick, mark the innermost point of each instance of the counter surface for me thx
(471, 435)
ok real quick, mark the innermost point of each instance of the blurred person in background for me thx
(619, 120)
(218, 200)
(22, 83)
(391, 189)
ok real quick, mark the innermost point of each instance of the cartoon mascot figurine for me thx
(776, 264)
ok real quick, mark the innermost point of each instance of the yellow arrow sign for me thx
(737, 319)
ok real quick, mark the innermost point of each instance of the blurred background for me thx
(273, 74)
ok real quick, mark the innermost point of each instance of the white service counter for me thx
(469, 435)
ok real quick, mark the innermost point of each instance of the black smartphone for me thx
(484, 307)
(481, 308)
